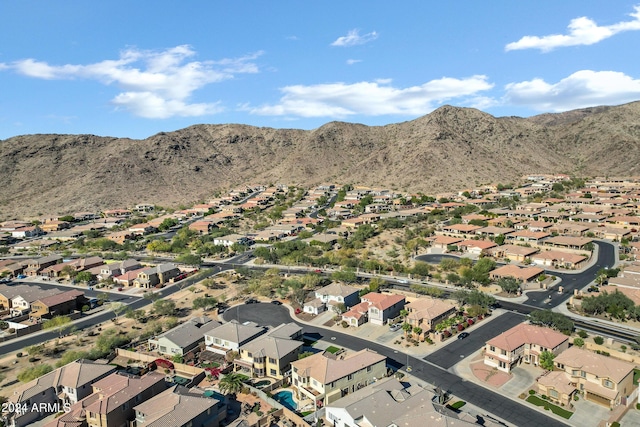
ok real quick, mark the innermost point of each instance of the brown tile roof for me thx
(382, 301)
(558, 380)
(63, 297)
(174, 407)
(595, 364)
(116, 389)
(428, 308)
(326, 368)
(525, 333)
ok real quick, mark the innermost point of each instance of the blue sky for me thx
(136, 68)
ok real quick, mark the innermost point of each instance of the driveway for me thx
(494, 403)
(457, 350)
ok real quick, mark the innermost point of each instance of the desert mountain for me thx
(450, 148)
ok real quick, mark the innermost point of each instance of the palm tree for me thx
(231, 383)
(417, 331)
(406, 328)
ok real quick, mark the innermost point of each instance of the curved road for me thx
(493, 403)
(569, 281)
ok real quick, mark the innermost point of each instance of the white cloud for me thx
(585, 88)
(354, 38)
(582, 31)
(155, 84)
(371, 98)
(353, 61)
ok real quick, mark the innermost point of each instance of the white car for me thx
(395, 327)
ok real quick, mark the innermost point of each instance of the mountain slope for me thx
(448, 149)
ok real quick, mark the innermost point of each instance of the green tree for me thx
(552, 319)
(508, 284)
(34, 372)
(164, 307)
(117, 308)
(232, 383)
(546, 360)
(346, 276)
(58, 324)
(578, 342)
(190, 259)
(204, 302)
(406, 327)
(85, 277)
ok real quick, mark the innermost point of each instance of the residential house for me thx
(120, 237)
(270, 355)
(115, 269)
(335, 293)
(128, 278)
(568, 242)
(426, 313)
(26, 232)
(527, 236)
(231, 335)
(79, 264)
(21, 303)
(445, 242)
(521, 274)
(57, 305)
(66, 385)
(461, 230)
(158, 275)
(112, 401)
(383, 307)
(178, 407)
(202, 227)
(380, 308)
(512, 252)
(231, 239)
(142, 229)
(183, 338)
(602, 379)
(36, 266)
(328, 377)
(559, 259)
(557, 386)
(389, 402)
(523, 343)
(476, 247)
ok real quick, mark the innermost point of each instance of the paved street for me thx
(457, 350)
(492, 402)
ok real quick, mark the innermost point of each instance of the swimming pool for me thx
(212, 393)
(285, 398)
(262, 383)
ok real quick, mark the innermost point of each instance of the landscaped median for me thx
(549, 406)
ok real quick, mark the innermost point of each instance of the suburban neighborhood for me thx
(275, 305)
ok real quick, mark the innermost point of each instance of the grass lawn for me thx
(636, 376)
(459, 404)
(305, 413)
(333, 349)
(546, 405)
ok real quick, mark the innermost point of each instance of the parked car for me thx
(251, 301)
(276, 302)
(21, 276)
(463, 335)
(403, 281)
(395, 327)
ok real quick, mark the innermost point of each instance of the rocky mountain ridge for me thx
(448, 149)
